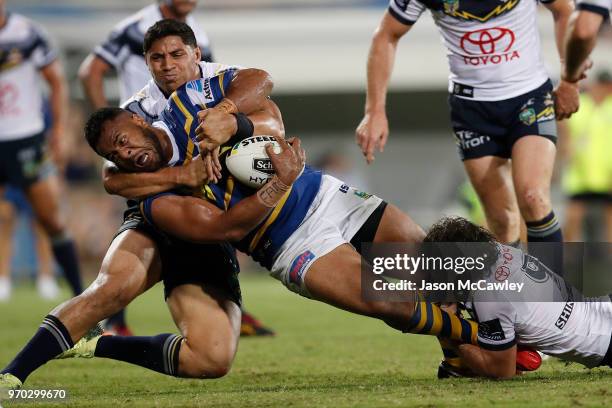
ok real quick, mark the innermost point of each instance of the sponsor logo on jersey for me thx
(263, 166)
(10, 59)
(298, 266)
(451, 6)
(362, 194)
(483, 13)
(501, 273)
(344, 188)
(491, 330)
(534, 269)
(565, 315)
(468, 139)
(527, 116)
(488, 46)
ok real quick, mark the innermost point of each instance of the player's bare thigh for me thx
(336, 279)
(210, 323)
(131, 266)
(397, 226)
(491, 177)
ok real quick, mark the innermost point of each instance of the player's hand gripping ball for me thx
(249, 163)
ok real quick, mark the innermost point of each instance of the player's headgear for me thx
(165, 28)
(93, 127)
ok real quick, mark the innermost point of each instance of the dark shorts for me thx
(23, 162)
(603, 198)
(188, 263)
(490, 128)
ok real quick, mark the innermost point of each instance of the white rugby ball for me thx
(249, 163)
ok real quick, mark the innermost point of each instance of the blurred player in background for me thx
(123, 52)
(501, 104)
(13, 203)
(25, 53)
(587, 153)
(582, 36)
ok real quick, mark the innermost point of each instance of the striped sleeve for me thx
(603, 7)
(495, 325)
(206, 92)
(406, 11)
(110, 49)
(44, 53)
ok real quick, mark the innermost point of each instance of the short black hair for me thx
(93, 127)
(165, 28)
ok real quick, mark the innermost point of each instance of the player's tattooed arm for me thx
(500, 364)
(141, 185)
(197, 220)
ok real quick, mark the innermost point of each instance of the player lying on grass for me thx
(574, 329)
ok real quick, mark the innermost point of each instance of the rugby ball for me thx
(249, 163)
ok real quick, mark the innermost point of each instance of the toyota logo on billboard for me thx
(496, 40)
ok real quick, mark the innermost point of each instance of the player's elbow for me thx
(584, 30)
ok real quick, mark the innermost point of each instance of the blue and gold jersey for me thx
(179, 119)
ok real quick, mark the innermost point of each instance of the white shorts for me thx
(336, 214)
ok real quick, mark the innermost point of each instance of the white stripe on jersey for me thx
(24, 50)
(495, 51)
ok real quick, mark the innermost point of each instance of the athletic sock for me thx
(547, 229)
(158, 353)
(429, 319)
(117, 319)
(51, 339)
(65, 254)
(450, 356)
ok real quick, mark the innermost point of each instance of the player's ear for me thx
(138, 120)
(198, 53)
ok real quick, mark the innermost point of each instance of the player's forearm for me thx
(476, 359)
(381, 59)
(141, 185)
(581, 38)
(58, 97)
(92, 80)
(561, 12)
(250, 90)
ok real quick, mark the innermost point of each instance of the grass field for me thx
(321, 357)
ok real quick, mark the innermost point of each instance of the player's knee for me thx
(209, 366)
(52, 224)
(108, 296)
(534, 201)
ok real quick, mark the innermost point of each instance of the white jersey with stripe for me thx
(603, 7)
(24, 51)
(150, 101)
(123, 48)
(565, 325)
(493, 45)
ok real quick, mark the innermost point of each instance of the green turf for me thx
(320, 357)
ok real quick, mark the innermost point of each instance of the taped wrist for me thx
(245, 128)
(272, 192)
